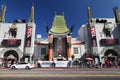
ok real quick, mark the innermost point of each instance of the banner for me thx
(93, 36)
(57, 64)
(28, 36)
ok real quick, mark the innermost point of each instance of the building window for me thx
(75, 50)
(43, 50)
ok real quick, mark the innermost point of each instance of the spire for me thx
(89, 15)
(32, 14)
(59, 25)
(2, 15)
(117, 16)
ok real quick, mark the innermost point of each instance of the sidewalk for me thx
(71, 68)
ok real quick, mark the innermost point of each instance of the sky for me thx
(75, 12)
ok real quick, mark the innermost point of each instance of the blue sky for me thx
(75, 11)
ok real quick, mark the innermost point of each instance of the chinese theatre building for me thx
(59, 39)
(16, 39)
(102, 37)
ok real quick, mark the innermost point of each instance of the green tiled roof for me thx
(59, 25)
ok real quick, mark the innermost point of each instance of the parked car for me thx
(22, 66)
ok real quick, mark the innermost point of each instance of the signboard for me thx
(46, 63)
(11, 42)
(61, 64)
(58, 63)
(108, 42)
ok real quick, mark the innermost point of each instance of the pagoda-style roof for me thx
(59, 25)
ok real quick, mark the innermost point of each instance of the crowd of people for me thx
(92, 64)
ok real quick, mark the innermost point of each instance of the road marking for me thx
(58, 75)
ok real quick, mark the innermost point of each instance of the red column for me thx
(69, 53)
(50, 38)
(69, 47)
(50, 54)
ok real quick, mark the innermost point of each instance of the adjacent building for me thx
(101, 37)
(16, 39)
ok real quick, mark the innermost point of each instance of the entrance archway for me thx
(60, 48)
(111, 54)
(110, 58)
(10, 57)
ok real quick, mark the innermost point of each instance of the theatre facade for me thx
(60, 45)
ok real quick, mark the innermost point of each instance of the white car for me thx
(22, 66)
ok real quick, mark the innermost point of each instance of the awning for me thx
(89, 59)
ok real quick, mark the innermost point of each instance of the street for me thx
(60, 73)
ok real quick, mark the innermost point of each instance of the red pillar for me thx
(50, 38)
(69, 47)
(69, 53)
(50, 54)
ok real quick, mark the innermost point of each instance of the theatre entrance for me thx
(60, 48)
(111, 58)
(10, 57)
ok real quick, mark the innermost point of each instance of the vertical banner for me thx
(28, 36)
(93, 36)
